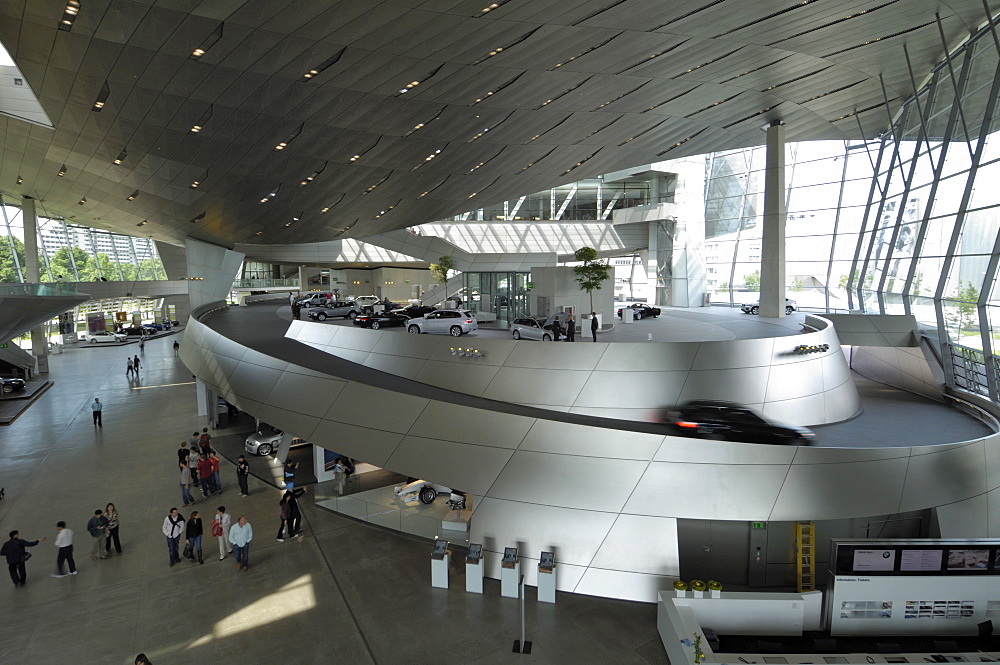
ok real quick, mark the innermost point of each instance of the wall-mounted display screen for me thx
(922, 560)
(968, 559)
(883, 559)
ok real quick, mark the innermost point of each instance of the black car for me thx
(414, 311)
(376, 321)
(138, 330)
(724, 421)
(10, 385)
(642, 311)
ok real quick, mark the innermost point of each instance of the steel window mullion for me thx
(920, 111)
(10, 241)
(836, 225)
(864, 223)
(954, 83)
(69, 248)
(899, 217)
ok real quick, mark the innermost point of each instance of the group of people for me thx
(199, 466)
(102, 527)
(133, 366)
(232, 538)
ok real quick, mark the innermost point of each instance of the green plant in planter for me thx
(441, 269)
(698, 585)
(699, 655)
(592, 273)
(680, 585)
(714, 586)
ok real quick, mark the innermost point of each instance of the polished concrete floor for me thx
(347, 592)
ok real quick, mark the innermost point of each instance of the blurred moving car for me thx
(12, 384)
(754, 307)
(725, 421)
(641, 310)
(102, 337)
(414, 311)
(454, 322)
(265, 440)
(376, 321)
(532, 327)
(421, 490)
(345, 308)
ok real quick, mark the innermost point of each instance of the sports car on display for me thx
(376, 321)
(754, 307)
(642, 311)
(10, 385)
(420, 490)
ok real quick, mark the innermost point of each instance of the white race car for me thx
(421, 490)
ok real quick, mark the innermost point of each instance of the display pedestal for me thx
(457, 520)
(628, 315)
(439, 572)
(509, 579)
(474, 576)
(547, 585)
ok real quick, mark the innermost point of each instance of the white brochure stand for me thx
(546, 584)
(474, 575)
(510, 574)
(439, 570)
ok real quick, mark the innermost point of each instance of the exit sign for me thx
(760, 525)
(3, 346)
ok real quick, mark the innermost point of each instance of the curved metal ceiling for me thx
(349, 118)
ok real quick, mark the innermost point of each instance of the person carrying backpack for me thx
(98, 528)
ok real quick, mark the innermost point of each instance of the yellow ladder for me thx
(805, 551)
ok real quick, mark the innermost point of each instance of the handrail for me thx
(202, 311)
(976, 411)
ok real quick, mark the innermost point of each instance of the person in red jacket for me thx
(213, 459)
(205, 474)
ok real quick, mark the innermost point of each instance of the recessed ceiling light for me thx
(270, 195)
(69, 15)
(121, 156)
(102, 98)
(82, 201)
(208, 43)
(203, 120)
(20, 180)
(323, 65)
(133, 195)
(143, 222)
(291, 137)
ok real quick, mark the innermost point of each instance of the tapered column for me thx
(32, 275)
(772, 255)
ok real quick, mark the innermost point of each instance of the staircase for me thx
(805, 555)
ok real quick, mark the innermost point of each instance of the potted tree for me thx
(591, 274)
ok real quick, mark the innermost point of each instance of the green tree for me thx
(723, 288)
(8, 269)
(964, 312)
(62, 263)
(842, 282)
(592, 273)
(752, 281)
(796, 285)
(441, 268)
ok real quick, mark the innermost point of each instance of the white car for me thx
(421, 490)
(454, 322)
(102, 337)
(366, 301)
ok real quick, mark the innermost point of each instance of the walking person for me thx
(193, 459)
(185, 484)
(64, 541)
(213, 459)
(205, 442)
(183, 453)
(296, 515)
(14, 550)
(290, 467)
(131, 368)
(240, 535)
(220, 530)
(98, 528)
(205, 472)
(136, 365)
(242, 475)
(286, 515)
(142, 344)
(570, 328)
(194, 533)
(177, 347)
(97, 408)
(113, 523)
(173, 527)
(339, 475)
(593, 325)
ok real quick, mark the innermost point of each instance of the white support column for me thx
(772, 255)
(32, 275)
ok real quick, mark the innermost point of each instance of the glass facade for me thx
(503, 294)
(75, 253)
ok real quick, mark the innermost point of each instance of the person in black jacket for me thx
(13, 549)
(194, 533)
(295, 522)
(593, 325)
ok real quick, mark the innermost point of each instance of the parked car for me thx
(414, 311)
(724, 421)
(423, 490)
(137, 330)
(532, 327)
(454, 322)
(313, 300)
(345, 308)
(376, 321)
(641, 311)
(12, 385)
(754, 307)
(102, 337)
(265, 441)
(367, 301)
(156, 326)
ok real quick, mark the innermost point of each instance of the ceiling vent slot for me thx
(318, 69)
(601, 129)
(102, 98)
(530, 164)
(312, 176)
(203, 120)
(684, 16)
(490, 7)
(860, 111)
(712, 106)
(710, 62)
(878, 39)
(484, 130)
(506, 47)
(433, 188)
(831, 23)
(561, 94)
(364, 152)
(649, 58)
(680, 143)
(413, 84)
(599, 12)
(645, 131)
(327, 208)
(288, 139)
(755, 69)
(622, 96)
(798, 5)
(209, 42)
(121, 157)
(583, 53)
(752, 115)
(496, 90)
(373, 187)
(485, 162)
(670, 99)
(797, 78)
(582, 161)
(69, 15)
(421, 125)
(845, 87)
(198, 218)
(541, 134)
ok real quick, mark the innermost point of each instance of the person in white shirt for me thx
(240, 535)
(64, 541)
(224, 521)
(97, 407)
(173, 527)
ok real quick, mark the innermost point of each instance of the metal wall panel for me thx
(821, 491)
(556, 437)
(461, 466)
(964, 467)
(487, 428)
